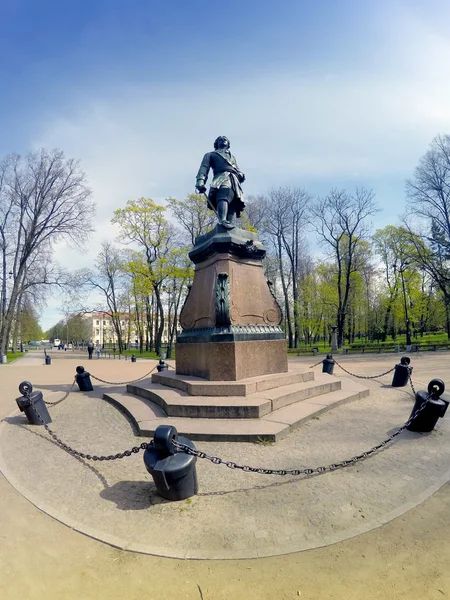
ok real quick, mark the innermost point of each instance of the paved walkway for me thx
(236, 514)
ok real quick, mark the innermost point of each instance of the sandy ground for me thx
(43, 559)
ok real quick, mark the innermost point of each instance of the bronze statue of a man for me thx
(225, 194)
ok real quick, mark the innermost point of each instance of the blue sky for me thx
(311, 93)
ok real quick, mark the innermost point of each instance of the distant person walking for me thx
(90, 350)
(97, 350)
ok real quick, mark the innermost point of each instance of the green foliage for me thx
(29, 324)
(143, 221)
(73, 328)
(11, 356)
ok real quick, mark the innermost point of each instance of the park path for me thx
(42, 559)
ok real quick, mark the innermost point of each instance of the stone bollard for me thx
(48, 359)
(83, 378)
(402, 372)
(162, 366)
(133, 358)
(328, 364)
(435, 407)
(32, 404)
(173, 472)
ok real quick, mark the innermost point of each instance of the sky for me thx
(317, 94)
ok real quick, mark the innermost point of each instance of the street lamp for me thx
(401, 270)
(169, 346)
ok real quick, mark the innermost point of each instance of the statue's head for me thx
(221, 142)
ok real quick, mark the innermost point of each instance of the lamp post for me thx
(401, 270)
(169, 345)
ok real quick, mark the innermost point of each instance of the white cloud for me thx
(285, 127)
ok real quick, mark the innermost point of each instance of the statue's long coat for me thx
(226, 174)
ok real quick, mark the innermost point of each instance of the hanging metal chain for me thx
(94, 457)
(319, 363)
(61, 399)
(364, 376)
(230, 464)
(410, 381)
(123, 382)
(307, 471)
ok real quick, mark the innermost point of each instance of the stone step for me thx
(295, 414)
(137, 409)
(195, 386)
(288, 394)
(176, 403)
(147, 417)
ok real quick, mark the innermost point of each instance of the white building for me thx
(104, 333)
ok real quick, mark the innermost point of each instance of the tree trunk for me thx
(14, 345)
(149, 325)
(447, 314)
(287, 312)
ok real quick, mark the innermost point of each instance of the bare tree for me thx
(286, 216)
(108, 278)
(340, 220)
(192, 214)
(44, 198)
(254, 215)
(429, 194)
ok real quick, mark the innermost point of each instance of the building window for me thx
(97, 331)
(104, 323)
(97, 323)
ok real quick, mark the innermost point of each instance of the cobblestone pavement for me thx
(236, 514)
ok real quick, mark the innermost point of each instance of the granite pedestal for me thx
(231, 317)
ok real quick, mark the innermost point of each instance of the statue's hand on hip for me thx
(241, 177)
(201, 188)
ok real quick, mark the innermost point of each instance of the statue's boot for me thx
(227, 224)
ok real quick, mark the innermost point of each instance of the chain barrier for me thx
(123, 382)
(306, 471)
(411, 381)
(230, 464)
(67, 448)
(61, 399)
(381, 375)
(319, 363)
(364, 376)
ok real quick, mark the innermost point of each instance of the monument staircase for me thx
(259, 408)
(232, 381)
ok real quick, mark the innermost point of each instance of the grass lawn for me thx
(428, 339)
(13, 355)
(144, 354)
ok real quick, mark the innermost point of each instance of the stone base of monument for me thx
(232, 379)
(231, 318)
(231, 361)
(266, 407)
